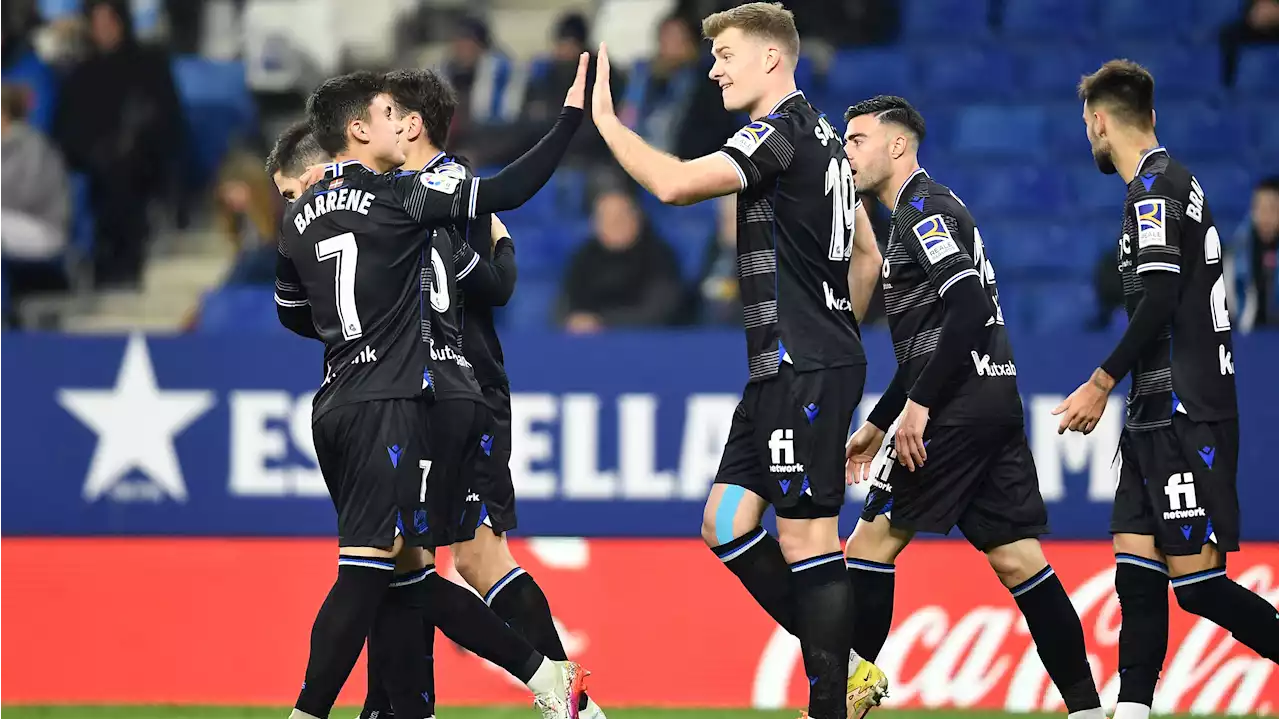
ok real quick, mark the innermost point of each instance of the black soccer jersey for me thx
(795, 237)
(1168, 227)
(934, 243)
(359, 254)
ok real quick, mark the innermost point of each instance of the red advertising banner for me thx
(226, 621)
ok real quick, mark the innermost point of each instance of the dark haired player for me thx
(802, 296)
(425, 105)
(1175, 515)
(295, 150)
(955, 390)
(381, 299)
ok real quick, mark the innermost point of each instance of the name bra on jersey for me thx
(334, 199)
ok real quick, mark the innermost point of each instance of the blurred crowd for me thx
(97, 151)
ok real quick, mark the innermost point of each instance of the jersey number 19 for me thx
(844, 201)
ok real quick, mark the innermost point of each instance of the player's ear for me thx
(358, 130)
(772, 58)
(1153, 118)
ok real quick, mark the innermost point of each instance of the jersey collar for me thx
(434, 160)
(897, 200)
(785, 100)
(334, 169)
(1149, 154)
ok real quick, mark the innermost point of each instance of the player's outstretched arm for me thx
(670, 179)
(293, 309)
(864, 265)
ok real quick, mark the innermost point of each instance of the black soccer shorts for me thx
(371, 456)
(1178, 484)
(786, 442)
(980, 478)
(496, 490)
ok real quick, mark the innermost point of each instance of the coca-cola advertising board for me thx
(224, 621)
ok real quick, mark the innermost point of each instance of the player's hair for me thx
(1271, 183)
(13, 102)
(763, 19)
(1125, 87)
(294, 151)
(337, 103)
(890, 108)
(429, 94)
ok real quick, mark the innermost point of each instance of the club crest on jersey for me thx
(1150, 222)
(935, 238)
(750, 138)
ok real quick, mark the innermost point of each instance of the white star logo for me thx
(136, 423)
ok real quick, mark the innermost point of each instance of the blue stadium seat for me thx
(930, 19)
(1036, 246)
(1045, 20)
(1009, 189)
(1053, 71)
(1181, 72)
(532, 307)
(966, 71)
(1065, 135)
(1264, 131)
(1207, 18)
(1127, 18)
(1198, 130)
(1257, 71)
(1038, 307)
(242, 309)
(1092, 191)
(863, 72)
(999, 129)
(42, 82)
(218, 107)
(1225, 184)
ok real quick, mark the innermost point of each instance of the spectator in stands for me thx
(624, 276)
(118, 121)
(718, 286)
(670, 101)
(544, 92)
(1259, 24)
(482, 77)
(21, 65)
(248, 214)
(1251, 262)
(36, 202)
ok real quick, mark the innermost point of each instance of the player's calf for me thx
(1142, 585)
(821, 608)
(869, 557)
(1052, 621)
(1202, 587)
(731, 528)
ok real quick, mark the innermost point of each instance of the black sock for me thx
(872, 586)
(1250, 618)
(1055, 628)
(757, 560)
(340, 629)
(471, 625)
(1142, 586)
(821, 589)
(520, 602)
(398, 651)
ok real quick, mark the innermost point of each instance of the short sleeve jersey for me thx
(933, 244)
(795, 237)
(1168, 227)
(368, 267)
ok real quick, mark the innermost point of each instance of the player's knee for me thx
(1196, 593)
(876, 541)
(1138, 545)
(468, 559)
(1016, 562)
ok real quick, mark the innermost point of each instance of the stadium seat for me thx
(532, 308)
(1199, 130)
(218, 108)
(1032, 247)
(930, 19)
(1257, 71)
(1008, 189)
(1047, 20)
(239, 310)
(863, 72)
(1264, 131)
(999, 129)
(1127, 18)
(1207, 18)
(1181, 72)
(1092, 191)
(973, 72)
(1039, 307)
(42, 83)
(1052, 72)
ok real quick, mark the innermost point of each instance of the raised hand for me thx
(578, 90)
(601, 95)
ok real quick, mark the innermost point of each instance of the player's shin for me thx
(1142, 585)
(871, 612)
(756, 560)
(1252, 620)
(1055, 628)
(398, 655)
(340, 629)
(822, 597)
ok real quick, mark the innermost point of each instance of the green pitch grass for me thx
(458, 713)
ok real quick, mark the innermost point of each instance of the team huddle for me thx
(390, 255)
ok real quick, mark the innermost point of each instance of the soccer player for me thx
(802, 297)
(381, 295)
(1175, 515)
(425, 105)
(956, 391)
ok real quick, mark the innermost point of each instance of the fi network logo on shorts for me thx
(782, 452)
(1181, 491)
